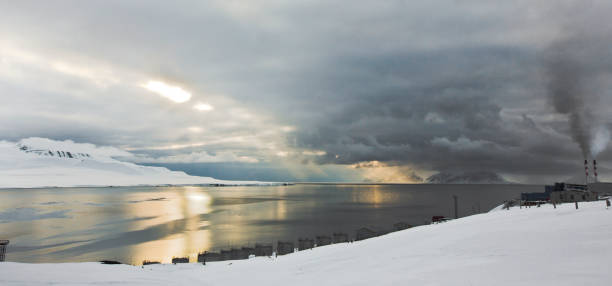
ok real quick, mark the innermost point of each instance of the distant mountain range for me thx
(467, 178)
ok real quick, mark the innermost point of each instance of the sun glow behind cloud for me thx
(381, 172)
(173, 93)
(203, 107)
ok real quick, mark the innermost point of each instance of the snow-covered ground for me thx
(535, 246)
(40, 162)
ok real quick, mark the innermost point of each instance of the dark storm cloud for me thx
(436, 86)
(383, 116)
(388, 123)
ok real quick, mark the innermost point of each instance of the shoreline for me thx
(257, 184)
(504, 247)
(262, 184)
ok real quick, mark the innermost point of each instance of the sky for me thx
(376, 91)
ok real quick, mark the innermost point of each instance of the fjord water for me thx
(132, 224)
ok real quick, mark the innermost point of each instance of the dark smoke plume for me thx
(574, 88)
(565, 87)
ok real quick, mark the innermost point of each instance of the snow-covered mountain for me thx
(53, 153)
(467, 178)
(41, 162)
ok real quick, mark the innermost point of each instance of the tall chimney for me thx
(595, 169)
(586, 172)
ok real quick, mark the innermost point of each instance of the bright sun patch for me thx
(203, 107)
(173, 93)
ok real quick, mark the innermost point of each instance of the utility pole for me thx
(456, 211)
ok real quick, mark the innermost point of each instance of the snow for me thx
(497, 208)
(41, 162)
(535, 246)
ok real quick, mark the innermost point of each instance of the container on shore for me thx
(305, 243)
(284, 247)
(209, 257)
(3, 244)
(262, 249)
(340, 237)
(176, 260)
(323, 240)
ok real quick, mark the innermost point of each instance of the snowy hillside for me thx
(40, 162)
(466, 178)
(535, 246)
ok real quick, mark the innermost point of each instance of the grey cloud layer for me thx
(436, 86)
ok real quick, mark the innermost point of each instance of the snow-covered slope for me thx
(535, 246)
(40, 162)
(466, 178)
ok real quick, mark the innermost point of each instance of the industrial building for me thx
(561, 193)
(572, 195)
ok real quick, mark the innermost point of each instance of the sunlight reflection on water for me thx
(157, 223)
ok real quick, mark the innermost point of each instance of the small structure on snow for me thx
(3, 244)
(365, 233)
(401, 226)
(284, 247)
(226, 254)
(239, 253)
(262, 249)
(323, 240)
(340, 237)
(209, 256)
(176, 260)
(305, 243)
(439, 219)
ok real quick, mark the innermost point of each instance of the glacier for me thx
(40, 162)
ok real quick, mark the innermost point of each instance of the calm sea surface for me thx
(132, 224)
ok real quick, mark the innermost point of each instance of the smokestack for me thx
(586, 171)
(595, 169)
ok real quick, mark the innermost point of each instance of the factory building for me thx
(561, 193)
(569, 195)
